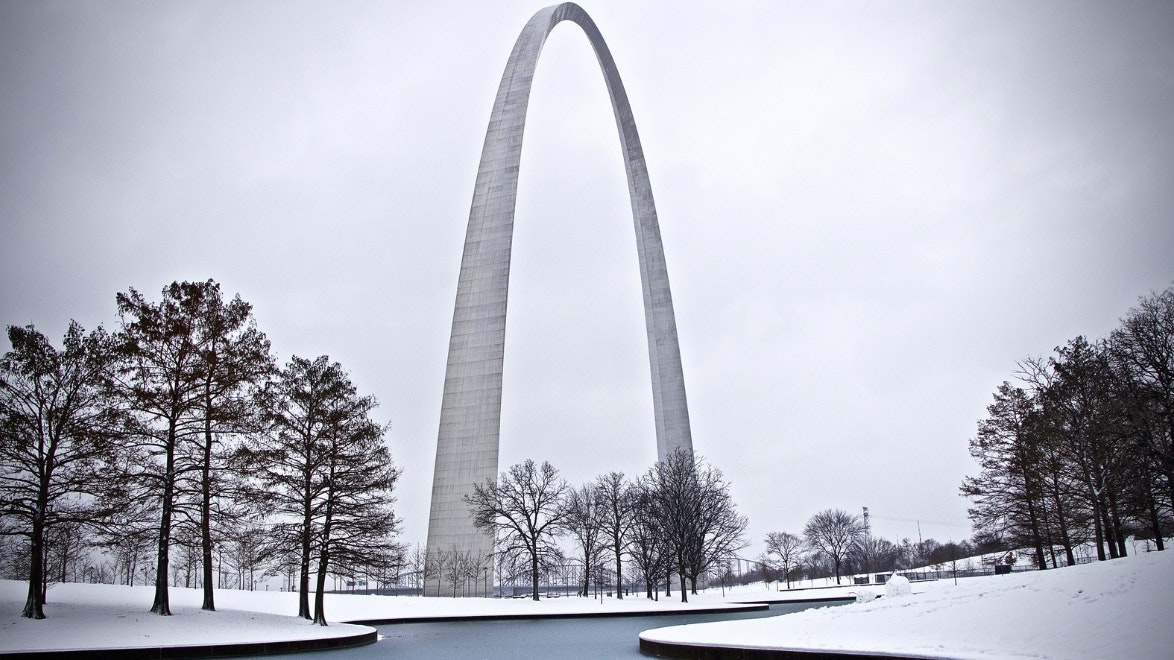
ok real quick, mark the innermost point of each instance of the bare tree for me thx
(459, 567)
(787, 548)
(435, 564)
(249, 552)
(416, 561)
(1142, 357)
(616, 499)
(581, 519)
(832, 532)
(701, 526)
(647, 546)
(523, 510)
(357, 524)
(160, 384)
(326, 470)
(54, 434)
(234, 357)
(870, 554)
(720, 528)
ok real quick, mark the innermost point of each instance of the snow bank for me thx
(1115, 609)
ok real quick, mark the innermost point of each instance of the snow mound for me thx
(898, 585)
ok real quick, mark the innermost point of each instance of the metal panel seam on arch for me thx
(470, 417)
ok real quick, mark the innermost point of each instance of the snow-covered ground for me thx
(105, 616)
(1115, 609)
(1112, 609)
(98, 616)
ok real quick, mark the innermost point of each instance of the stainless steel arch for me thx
(470, 418)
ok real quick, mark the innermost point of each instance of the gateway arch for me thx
(470, 416)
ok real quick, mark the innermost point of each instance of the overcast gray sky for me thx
(870, 212)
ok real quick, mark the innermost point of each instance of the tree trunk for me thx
(206, 508)
(1118, 535)
(162, 604)
(684, 592)
(1107, 526)
(320, 590)
(1040, 561)
(586, 576)
(1098, 530)
(34, 604)
(324, 553)
(619, 574)
(304, 578)
(1155, 522)
(534, 576)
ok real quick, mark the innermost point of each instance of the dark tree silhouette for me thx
(582, 521)
(832, 533)
(234, 357)
(647, 546)
(55, 432)
(788, 549)
(616, 499)
(357, 525)
(325, 471)
(523, 510)
(161, 385)
(700, 523)
(1008, 492)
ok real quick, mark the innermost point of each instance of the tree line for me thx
(677, 519)
(835, 543)
(177, 437)
(1080, 448)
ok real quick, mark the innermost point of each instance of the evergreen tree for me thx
(1007, 492)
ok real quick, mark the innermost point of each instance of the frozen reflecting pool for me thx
(615, 637)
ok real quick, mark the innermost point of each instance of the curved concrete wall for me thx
(470, 417)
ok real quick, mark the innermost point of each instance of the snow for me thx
(109, 616)
(866, 595)
(897, 586)
(1115, 609)
(91, 616)
(1109, 609)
